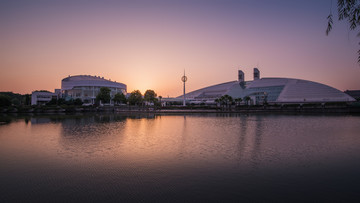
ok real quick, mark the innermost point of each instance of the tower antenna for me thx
(184, 79)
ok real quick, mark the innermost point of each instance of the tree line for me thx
(104, 96)
(10, 98)
(227, 101)
(135, 97)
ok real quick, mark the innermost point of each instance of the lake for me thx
(180, 158)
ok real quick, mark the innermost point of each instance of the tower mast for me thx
(184, 79)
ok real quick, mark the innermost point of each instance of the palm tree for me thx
(217, 101)
(227, 100)
(247, 99)
(160, 97)
(238, 101)
(221, 101)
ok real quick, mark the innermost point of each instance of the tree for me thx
(119, 98)
(135, 97)
(78, 102)
(150, 96)
(15, 98)
(347, 10)
(228, 100)
(27, 98)
(238, 101)
(104, 95)
(247, 99)
(217, 101)
(61, 101)
(15, 101)
(160, 97)
(5, 100)
(225, 100)
(53, 101)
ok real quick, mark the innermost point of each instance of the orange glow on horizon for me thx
(148, 47)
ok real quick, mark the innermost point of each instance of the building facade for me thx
(86, 87)
(354, 94)
(270, 90)
(42, 97)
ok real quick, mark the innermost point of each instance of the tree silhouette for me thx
(347, 10)
(135, 97)
(104, 95)
(150, 96)
(238, 101)
(225, 100)
(160, 97)
(119, 98)
(247, 99)
(5, 100)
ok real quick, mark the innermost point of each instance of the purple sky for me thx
(148, 44)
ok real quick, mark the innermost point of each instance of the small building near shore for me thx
(42, 97)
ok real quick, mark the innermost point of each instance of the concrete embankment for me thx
(246, 110)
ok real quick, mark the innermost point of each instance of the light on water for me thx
(180, 157)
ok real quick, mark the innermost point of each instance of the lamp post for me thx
(184, 79)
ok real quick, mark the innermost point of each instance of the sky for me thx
(149, 44)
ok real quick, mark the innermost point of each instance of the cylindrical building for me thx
(86, 87)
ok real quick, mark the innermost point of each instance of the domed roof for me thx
(88, 80)
(281, 90)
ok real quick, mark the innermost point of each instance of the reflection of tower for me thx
(184, 79)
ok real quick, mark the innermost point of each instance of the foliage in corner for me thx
(347, 10)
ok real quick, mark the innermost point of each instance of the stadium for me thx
(86, 87)
(270, 90)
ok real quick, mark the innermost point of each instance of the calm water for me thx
(216, 157)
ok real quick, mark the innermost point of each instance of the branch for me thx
(330, 23)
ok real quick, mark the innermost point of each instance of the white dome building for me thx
(272, 90)
(86, 87)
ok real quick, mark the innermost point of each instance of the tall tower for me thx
(184, 79)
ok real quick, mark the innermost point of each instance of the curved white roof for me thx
(87, 80)
(281, 90)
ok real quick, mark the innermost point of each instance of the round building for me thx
(86, 87)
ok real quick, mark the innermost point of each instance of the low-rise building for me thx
(42, 97)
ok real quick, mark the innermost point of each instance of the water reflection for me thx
(242, 137)
(156, 156)
(86, 137)
(256, 152)
(182, 145)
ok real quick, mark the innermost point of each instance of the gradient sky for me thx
(148, 44)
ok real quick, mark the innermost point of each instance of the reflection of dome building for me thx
(272, 90)
(86, 87)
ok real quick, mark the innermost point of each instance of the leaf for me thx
(330, 23)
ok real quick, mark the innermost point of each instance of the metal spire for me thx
(184, 79)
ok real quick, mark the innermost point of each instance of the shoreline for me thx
(187, 110)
